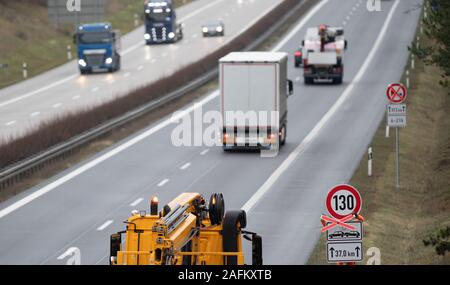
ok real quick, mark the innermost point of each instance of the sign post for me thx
(344, 228)
(396, 118)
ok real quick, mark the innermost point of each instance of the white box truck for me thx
(254, 90)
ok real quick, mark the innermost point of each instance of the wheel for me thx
(233, 222)
(216, 208)
(118, 64)
(283, 135)
(337, 80)
(309, 80)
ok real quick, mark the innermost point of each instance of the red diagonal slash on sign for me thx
(334, 223)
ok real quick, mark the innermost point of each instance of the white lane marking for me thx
(188, 16)
(185, 166)
(128, 50)
(83, 168)
(300, 25)
(140, 67)
(347, 18)
(136, 202)
(162, 183)
(297, 78)
(200, 10)
(95, 89)
(57, 105)
(16, 99)
(35, 114)
(344, 23)
(126, 74)
(10, 123)
(105, 225)
(76, 97)
(204, 152)
(307, 140)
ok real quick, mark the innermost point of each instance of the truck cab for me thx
(161, 22)
(98, 47)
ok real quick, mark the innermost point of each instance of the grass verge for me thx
(397, 221)
(27, 36)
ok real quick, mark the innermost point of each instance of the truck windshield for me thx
(94, 38)
(159, 17)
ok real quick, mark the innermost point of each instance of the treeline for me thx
(436, 51)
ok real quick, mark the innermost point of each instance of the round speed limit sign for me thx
(343, 200)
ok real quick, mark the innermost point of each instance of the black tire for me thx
(118, 64)
(309, 81)
(233, 222)
(216, 208)
(283, 139)
(338, 80)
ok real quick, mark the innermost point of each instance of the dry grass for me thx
(27, 36)
(398, 220)
(63, 128)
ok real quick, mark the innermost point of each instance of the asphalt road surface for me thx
(62, 90)
(329, 130)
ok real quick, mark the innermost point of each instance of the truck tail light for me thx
(298, 54)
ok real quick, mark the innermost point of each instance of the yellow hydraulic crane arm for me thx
(187, 231)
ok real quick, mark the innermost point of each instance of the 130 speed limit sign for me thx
(343, 200)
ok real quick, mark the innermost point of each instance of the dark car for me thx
(213, 29)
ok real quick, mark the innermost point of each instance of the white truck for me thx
(254, 90)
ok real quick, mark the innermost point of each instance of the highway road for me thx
(329, 130)
(62, 90)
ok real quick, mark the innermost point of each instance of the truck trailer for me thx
(161, 22)
(98, 47)
(254, 88)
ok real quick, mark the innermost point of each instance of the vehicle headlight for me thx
(82, 62)
(147, 36)
(205, 30)
(171, 35)
(108, 60)
(219, 29)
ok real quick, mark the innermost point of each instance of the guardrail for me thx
(16, 172)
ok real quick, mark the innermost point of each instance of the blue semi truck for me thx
(161, 22)
(98, 48)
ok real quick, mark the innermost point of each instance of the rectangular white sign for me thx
(344, 252)
(340, 233)
(396, 115)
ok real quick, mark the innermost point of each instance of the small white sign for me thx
(396, 115)
(396, 121)
(344, 252)
(340, 233)
(396, 109)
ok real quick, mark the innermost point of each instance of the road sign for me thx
(396, 93)
(330, 223)
(342, 233)
(344, 252)
(396, 115)
(343, 200)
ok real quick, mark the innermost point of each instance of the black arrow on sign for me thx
(357, 251)
(332, 251)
